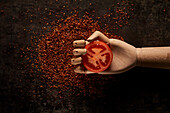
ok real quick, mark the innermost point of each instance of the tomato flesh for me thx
(98, 57)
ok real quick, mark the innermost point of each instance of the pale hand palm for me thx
(124, 55)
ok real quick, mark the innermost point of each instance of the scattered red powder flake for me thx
(119, 14)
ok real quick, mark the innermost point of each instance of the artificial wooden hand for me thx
(125, 56)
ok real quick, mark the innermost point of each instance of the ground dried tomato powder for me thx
(50, 55)
(55, 53)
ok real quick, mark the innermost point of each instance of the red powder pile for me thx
(55, 53)
(50, 55)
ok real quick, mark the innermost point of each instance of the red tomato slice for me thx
(98, 57)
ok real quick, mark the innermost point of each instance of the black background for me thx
(140, 90)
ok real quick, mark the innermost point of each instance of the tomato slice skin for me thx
(98, 57)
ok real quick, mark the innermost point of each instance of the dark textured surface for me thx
(140, 90)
